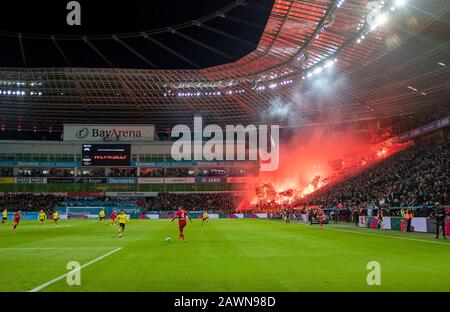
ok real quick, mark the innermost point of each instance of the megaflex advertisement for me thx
(123, 133)
(202, 180)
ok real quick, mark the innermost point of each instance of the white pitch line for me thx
(388, 236)
(51, 248)
(40, 287)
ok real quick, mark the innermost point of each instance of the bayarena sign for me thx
(124, 133)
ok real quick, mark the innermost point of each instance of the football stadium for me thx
(225, 146)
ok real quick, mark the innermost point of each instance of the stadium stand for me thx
(30, 202)
(163, 202)
(217, 202)
(415, 177)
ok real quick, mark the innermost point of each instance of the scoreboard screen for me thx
(106, 155)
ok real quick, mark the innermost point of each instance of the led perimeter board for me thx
(106, 155)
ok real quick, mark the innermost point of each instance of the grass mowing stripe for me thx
(388, 236)
(40, 287)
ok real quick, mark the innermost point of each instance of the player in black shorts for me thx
(4, 216)
(101, 216)
(122, 218)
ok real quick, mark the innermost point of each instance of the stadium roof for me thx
(316, 60)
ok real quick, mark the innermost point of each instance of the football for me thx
(168, 239)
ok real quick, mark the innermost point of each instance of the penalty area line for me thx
(40, 287)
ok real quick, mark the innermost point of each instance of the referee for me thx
(440, 220)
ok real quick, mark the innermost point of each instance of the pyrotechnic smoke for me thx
(306, 153)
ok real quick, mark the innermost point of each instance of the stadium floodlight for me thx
(380, 20)
(318, 70)
(329, 64)
(400, 3)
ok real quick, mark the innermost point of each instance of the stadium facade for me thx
(52, 166)
(314, 65)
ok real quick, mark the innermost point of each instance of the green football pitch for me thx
(225, 255)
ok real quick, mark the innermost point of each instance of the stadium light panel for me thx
(380, 20)
(329, 64)
(318, 70)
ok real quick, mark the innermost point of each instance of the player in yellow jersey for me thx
(101, 216)
(205, 217)
(55, 216)
(4, 216)
(42, 216)
(122, 219)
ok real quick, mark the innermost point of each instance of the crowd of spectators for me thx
(42, 173)
(217, 202)
(214, 202)
(415, 177)
(6, 172)
(123, 173)
(30, 202)
(194, 172)
(126, 172)
(152, 173)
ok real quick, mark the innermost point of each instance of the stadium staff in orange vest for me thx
(380, 218)
(409, 217)
(406, 220)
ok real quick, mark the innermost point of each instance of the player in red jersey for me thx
(113, 217)
(17, 217)
(320, 216)
(181, 215)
